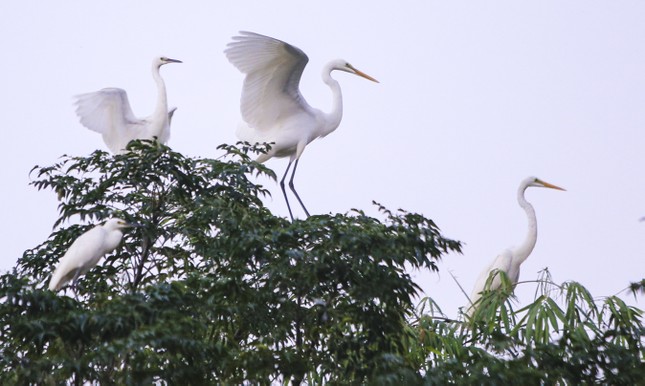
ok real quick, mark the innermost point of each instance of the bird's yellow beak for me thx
(547, 185)
(361, 73)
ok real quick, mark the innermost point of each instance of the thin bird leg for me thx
(293, 189)
(284, 192)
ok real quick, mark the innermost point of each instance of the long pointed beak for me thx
(362, 74)
(168, 60)
(547, 185)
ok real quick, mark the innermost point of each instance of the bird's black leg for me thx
(284, 192)
(294, 189)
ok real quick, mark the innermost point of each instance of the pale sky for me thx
(474, 97)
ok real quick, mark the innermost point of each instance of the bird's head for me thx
(161, 60)
(536, 182)
(117, 223)
(343, 65)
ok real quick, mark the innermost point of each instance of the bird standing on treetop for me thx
(273, 108)
(86, 251)
(108, 112)
(509, 260)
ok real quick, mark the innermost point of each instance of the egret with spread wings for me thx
(108, 112)
(272, 106)
(509, 260)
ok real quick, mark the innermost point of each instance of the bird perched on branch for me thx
(272, 106)
(86, 251)
(108, 112)
(509, 260)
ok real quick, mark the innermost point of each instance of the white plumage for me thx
(86, 251)
(108, 112)
(510, 260)
(272, 106)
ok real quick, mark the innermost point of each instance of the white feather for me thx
(86, 251)
(108, 112)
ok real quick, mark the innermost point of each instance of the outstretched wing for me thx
(273, 70)
(108, 112)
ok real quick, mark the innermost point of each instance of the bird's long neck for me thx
(336, 113)
(523, 251)
(161, 110)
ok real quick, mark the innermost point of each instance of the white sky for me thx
(474, 96)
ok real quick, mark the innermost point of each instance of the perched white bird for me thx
(108, 112)
(273, 108)
(509, 260)
(86, 251)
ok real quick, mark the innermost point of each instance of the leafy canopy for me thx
(212, 288)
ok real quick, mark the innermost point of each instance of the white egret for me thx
(86, 251)
(108, 112)
(273, 108)
(510, 259)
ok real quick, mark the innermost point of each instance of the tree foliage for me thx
(214, 289)
(565, 337)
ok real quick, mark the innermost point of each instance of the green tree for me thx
(565, 337)
(212, 288)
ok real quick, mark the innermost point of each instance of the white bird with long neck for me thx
(86, 251)
(108, 112)
(273, 109)
(510, 260)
